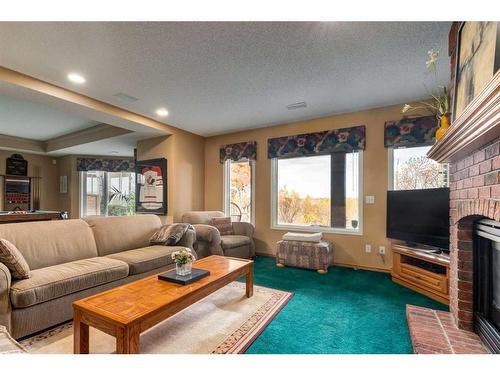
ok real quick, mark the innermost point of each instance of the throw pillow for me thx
(223, 224)
(14, 260)
(169, 235)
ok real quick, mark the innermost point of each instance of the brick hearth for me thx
(434, 332)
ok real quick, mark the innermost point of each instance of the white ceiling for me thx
(33, 115)
(222, 77)
(25, 119)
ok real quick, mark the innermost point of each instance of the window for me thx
(410, 169)
(107, 193)
(317, 193)
(239, 190)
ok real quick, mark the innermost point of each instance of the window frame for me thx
(301, 228)
(226, 204)
(390, 168)
(83, 194)
(82, 191)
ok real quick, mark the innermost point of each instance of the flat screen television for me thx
(419, 216)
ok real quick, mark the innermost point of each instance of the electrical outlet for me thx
(370, 199)
(368, 248)
(381, 250)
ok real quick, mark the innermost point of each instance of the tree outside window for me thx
(412, 169)
(318, 191)
(240, 191)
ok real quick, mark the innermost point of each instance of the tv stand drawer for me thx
(424, 278)
(422, 272)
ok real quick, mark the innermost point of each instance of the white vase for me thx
(183, 269)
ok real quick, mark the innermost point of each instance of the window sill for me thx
(299, 228)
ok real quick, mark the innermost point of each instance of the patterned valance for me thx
(411, 132)
(325, 142)
(239, 151)
(105, 165)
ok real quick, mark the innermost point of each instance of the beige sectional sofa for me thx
(72, 259)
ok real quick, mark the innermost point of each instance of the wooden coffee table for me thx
(126, 311)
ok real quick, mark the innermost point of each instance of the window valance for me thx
(105, 165)
(325, 142)
(408, 132)
(239, 151)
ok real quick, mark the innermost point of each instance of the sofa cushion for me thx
(223, 224)
(170, 234)
(14, 260)
(115, 234)
(228, 242)
(47, 243)
(56, 281)
(146, 258)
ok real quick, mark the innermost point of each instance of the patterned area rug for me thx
(225, 322)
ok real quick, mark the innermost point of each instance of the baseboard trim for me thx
(365, 268)
(346, 265)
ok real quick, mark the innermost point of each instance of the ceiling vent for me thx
(124, 98)
(296, 105)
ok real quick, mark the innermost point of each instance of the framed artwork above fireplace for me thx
(477, 61)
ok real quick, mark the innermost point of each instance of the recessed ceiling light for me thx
(76, 78)
(162, 112)
(113, 152)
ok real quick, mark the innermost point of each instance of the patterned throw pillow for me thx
(169, 235)
(223, 224)
(14, 260)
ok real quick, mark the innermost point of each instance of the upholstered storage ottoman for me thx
(312, 255)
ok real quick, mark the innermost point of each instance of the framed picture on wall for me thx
(151, 186)
(16, 166)
(477, 61)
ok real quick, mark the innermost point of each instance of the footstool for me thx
(311, 255)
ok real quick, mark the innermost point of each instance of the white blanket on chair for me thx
(303, 237)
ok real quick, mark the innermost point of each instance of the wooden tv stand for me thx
(426, 273)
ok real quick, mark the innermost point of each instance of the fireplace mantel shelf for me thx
(478, 125)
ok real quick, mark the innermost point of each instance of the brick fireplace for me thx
(472, 148)
(474, 194)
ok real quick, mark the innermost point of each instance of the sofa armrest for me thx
(5, 307)
(211, 235)
(188, 239)
(245, 229)
(207, 233)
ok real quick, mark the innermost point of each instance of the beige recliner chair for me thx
(210, 242)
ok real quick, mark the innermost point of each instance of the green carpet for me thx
(344, 311)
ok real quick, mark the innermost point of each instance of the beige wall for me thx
(185, 155)
(49, 183)
(70, 201)
(348, 249)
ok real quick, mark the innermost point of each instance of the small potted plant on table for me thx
(183, 262)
